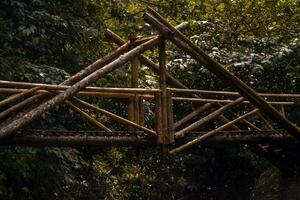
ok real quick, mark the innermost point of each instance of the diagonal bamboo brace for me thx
(212, 133)
(166, 29)
(116, 117)
(10, 128)
(214, 115)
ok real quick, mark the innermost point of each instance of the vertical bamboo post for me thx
(133, 107)
(158, 116)
(142, 111)
(171, 134)
(163, 87)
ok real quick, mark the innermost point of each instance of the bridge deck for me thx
(58, 138)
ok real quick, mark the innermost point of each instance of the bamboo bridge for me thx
(221, 117)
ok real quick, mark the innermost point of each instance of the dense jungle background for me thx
(47, 41)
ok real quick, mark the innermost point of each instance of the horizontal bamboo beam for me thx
(116, 117)
(117, 95)
(130, 92)
(87, 89)
(214, 115)
(80, 141)
(230, 94)
(39, 110)
(166, 29)
(285, 103)
(212, 133)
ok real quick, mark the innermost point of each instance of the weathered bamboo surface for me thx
(30, 100)
(126, 93)
(28, 117)
(166, 29)
(55, 138)
(212, 133)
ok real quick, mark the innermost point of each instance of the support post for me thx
(163, 87)
(158, 116)
(171, 135)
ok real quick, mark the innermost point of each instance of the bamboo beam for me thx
(28, 117)
(179, 90)
(192, 115)
(211, 133)
(230, 94)
(130, 92)
(93, 94)
(185, 44)
(116, 117)
(221, 101)
(214, 115)
(80, 140)
(18, 96)
(86, 116)
(87, 89)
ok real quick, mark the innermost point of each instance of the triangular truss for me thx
(166, 131)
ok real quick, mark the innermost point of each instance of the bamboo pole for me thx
(211, 133)
(192, 115)
(163, 87)
(65, 87)
(230, 94)
(179, 90)
(214, 115)
(133, 112)
(18, 96)
(142, 111)
(131, 92)
(116, 117)
(185, 44)
(86, 116)
(28, 117)
(221, 101)
(158, 117)
(171, 136)
(93, 94)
